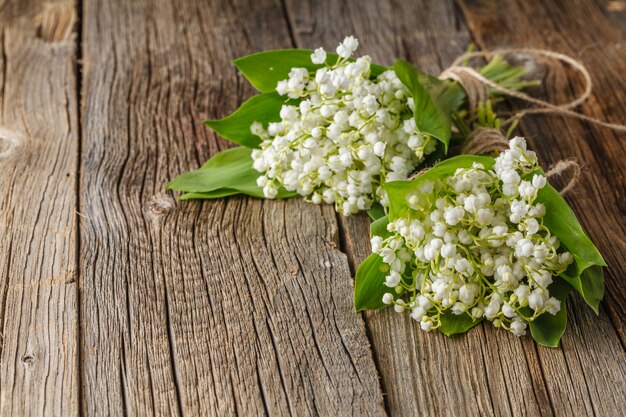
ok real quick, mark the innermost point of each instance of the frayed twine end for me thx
(563, 166)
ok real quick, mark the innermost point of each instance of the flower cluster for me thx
(474, 243)
(349, 134)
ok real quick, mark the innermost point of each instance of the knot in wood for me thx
(56, 21)
(28, 359)
(9, 142)
(536, 66)
(160, 204)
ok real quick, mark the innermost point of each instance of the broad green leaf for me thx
(265, 69)
(226, 173)
(592, 283)
(211, 195)
(376, 212)
(547, 329)
(586, 275)
(379, 228)
(589, 283)
(432, 107)
(370, 276)
(226, 192)
(369, 284)
(263, 108)
(562, 221)
(447, 94)
(229, 169)
(452, 324)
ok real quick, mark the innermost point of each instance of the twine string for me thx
(561, 167)
(475, 90)
(475, 85)
(484, 140)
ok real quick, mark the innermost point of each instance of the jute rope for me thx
(561, 167)
(484, 140)
(475, 85)
(475, 90)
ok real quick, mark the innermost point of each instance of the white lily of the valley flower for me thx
(318, 56)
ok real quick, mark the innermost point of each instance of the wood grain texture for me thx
(233, 307)
(241, 306)
(38, 161)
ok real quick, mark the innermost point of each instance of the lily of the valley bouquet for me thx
(477, 238)
(471, 238)
(334, 129)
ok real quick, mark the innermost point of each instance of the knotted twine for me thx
(486, 140)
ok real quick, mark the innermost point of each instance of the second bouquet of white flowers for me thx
(476, 238)
(334, 129)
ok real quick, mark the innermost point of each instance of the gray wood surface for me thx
(38, 231)
(241, 306)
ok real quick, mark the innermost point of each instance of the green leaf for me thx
(433, 102)
(229, 169)
(226, 173)
(376, 212)
(562, 221)
(226, 192)
(379, 227)
(592, 285)
(452, 324)
(265, 69)
(211, 195)
(586, 274)
(263, 108)
(547, 329)
(369, 284)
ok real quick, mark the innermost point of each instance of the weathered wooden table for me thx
(115, 298)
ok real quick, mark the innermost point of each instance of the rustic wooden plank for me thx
(38, 159)
(229, 307)
(484, 372)
(588, 376)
